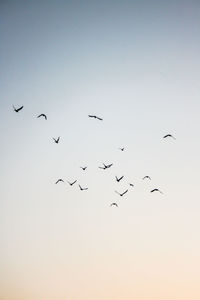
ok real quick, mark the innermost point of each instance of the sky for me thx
(136, 65)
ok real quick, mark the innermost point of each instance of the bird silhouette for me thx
(131, 184)
(168, 135)
(95, 117)
(82, 189)
(18, 109)
(156, 190)
(122, 149)
(114, 204)
(105, 166)
(146, 177)
(42, 115)
(56, 140)
(118, 179)
(59, 180)
(72, 183)
(83, 168)
(122, 193)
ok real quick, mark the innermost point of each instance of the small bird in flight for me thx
(95, 117)
(114, 204)
(118, 179)
(105, 166)
(156, 190)
(18, 109)
(122, 149)
(59, 180)
(82, 189)
(122, 193)
(71, 183)
(42, 115)
(83, 168)
(168, 135)
(131, 184)
(146, 177)
(56, 140)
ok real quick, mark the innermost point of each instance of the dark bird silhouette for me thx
(83, 168)
(18, 109)
(95, 117)
(42, 115)
(114, 204)
(105, 166)
(168, 135)
(56, 140)
(59, 180)
(122, 149)
(72, 183)
(146, 177)
(82, 189)
(122, 193)
(131, 184)
(118, 179)
(156, 190)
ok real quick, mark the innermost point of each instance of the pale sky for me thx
(135, 64)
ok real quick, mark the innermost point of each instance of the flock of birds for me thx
(104, 167)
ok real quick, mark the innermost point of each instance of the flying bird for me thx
(131, 184)
(18, 109)
(59, 180)
(156, 190)
(82, 189)
(95, 117)
(146, 177)
(71, 183)
(122, 193)
(56, 140)
(42, 115)
(114, 204)
(105, 166)
(122, 149)
(118, 179)
(83, 168)
(168, 135)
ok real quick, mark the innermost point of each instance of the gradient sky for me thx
(135, 64)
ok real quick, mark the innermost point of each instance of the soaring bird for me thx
(59, 180)
(131, 184)
(82, 189)
(42, 115)
(122, 149)
(56, 140)
(18, 109)
(169, 135)
(122, 193)
(118, 179)
(156, 190)
(114, 204)
(71, 183)
(105, 166)
(146, 177)
(95, 117)
(83, 168)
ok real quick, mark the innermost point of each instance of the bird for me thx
(42, 115)
(114, 204)
(82, 189)
(156, 190)
(118, 179)
(131, 184)
(83, 168)
(105, 166)
(95, 117)
(59, 180)
(146, 177)
(122, 193)
(122, 149)
(56, 140)
(168, 135)
(18, 109)
(71, 183)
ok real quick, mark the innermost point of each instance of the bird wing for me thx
(91, 116)
(74, 181)
(80, 187)
(117, 193)
(121, 177)
(124, 192)
(100, 119)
